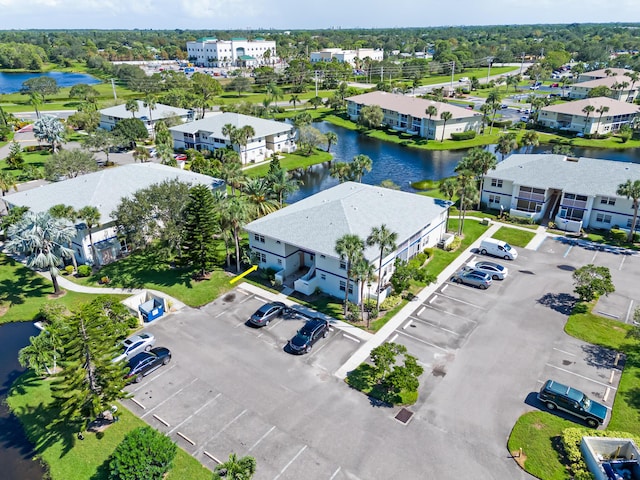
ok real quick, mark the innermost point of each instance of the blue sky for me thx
(301, 14)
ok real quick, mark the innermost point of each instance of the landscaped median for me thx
(539, 434)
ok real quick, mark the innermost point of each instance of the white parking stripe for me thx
(422, 341)
(622, 262)
(262, 438)
(169, 397)
(626, 320)
(566, 353)
(261, 299)
(432, 299)
(243, 292)
(437, 326)
(445, 287)
(420, 311)
(462, 301)
(567, 252)
(290, 462)
(195, 413)
(578, 375)
(452, 314)
(407, 324)
(594, 257)
(393, 339)
(335, 473)
(147, 382)
(353, 339)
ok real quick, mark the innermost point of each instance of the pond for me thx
(405, 165)
(12, 82)
(16, 452)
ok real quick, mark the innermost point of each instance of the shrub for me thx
(68, 269)
(521, 220)
(391, 302)
(468, 135)
(84, 270)
(454, 245)
(502, 123)
(144, 453)
(618, 236)
(429, 252)
(353, 312)
(424, 184)
(51, 312)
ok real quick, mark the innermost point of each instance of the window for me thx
(630, 221)
(343, 285)
(343, 265)
(258, 238)
(494, 198)
(323, 276)
(603, 218)
(279, 261)
(574, 214)
(607, 201)
(262, 257)
(495, 182)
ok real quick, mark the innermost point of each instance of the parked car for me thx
(266, 313)
(135, 344)
(558, 396)
(147, 362)
(497, 271)
(308, 335)
(498, 248)
(555, 85)
(473, 278)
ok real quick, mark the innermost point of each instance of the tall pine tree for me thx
(198, 247)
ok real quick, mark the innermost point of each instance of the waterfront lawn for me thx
(291, 161)
(23, 292)
(69, 458)
(514, 236)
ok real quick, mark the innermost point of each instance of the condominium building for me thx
(346, 56)
(237, 52)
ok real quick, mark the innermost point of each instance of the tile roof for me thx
(413, 106)
(104, 189)
(215, 123)
(585, 176)
(616, 107)
(317, 222)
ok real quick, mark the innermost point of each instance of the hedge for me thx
(468, 135)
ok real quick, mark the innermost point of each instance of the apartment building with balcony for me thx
(237, 52)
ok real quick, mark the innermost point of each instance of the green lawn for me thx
(362, 379)
(36, 159)
(147, 269)
(291, 161)
(67, 457)
(514, 236)
(23, 292)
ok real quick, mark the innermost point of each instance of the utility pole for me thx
(489, 69)
(522, 64)
(381, 74)
(113, 87)
(316, 78)
(453, 71)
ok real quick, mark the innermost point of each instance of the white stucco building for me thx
(112, 115)
(346, 56)
(104, 190)
(299, 241)
(615, 79)
(574, 193)
(409, 114)
(237, 52)
(206, 134)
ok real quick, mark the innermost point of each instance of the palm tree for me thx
(631, 189)
(35, 100)
(448, 187)
(294, 99)
(601, 110)
(149, 102)
(141, 153)
(385, 239)
(493, 99)
(235, 468)
(245, 134)
(43, 240)
(445, 117)
(588, 109)
(7, 182)
(315, 102)
(431, 111)
(465, 181)
(281, 185)
(259, 195)
(512, 81)
(238, 213)
(132, 106)
(363, 273)
(350, 248)
(506, 144)
(530, 139)
(91, 217)
(231, 173)
(360, 164)
(485, 108)
(49, 129)
(332, 138)
(633, 76)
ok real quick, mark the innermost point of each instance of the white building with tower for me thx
(237, 52)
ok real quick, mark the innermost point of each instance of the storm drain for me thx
(404, 416)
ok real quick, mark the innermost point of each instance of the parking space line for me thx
(146, 384)
(452, 314)
(432, 299)
(245, 300)
(578, 375)
(290, 462)
(462, 301)
(194, 413)
(273, 325)
(437, 326)
(244, 292)
(566, 353)
(594, 257)
(335, 473)
(420, 311)
(445, 287)
(626, 320)
(316, 350)
(261, 299)
(567, 252)
(393, 339)
(622, 262)
(609, 314)
(169, 397)
(423, 341)
(220, 314)
(407, 324)
(221, 430)
(353, 339)
(262, 438)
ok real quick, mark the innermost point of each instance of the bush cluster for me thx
(391, 302)
(454, 245)
(84, 270)
(468, 135)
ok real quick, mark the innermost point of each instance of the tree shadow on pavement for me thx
(560, 302)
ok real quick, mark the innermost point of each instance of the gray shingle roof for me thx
(585, 176)
(104, 189)
(160, 111)
(317, 222)
(215, 123)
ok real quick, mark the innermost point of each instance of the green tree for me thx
(281, 184)
(245, 134)
(385, 240)
(506, 144)
(384, 358)
(295, 99)
(465, 181)
(237, 215)
(132, 106)
(232, 174)
(90, 215)
(102, 141)
(150, 101)
(332, 139)
(198, 247)
(131, 130)
(49, 129)
(143, 454)
(363, 274)
(164, 144)
(349, 248)
(43, 352)
(448, 187)
(631, 190)
(65, 212)
(260, 197)
(39, 88)
(494, 100)
(592, 281)
(315, 102)
(84, 92)
(431, 111)
(205, 88)
(239, 84)
(69, 164)
(43, 240)
(302, 119)
(141, 154)
(530, 139)
(360, 165)
(371, 116)
(14, 159)
(308, 139)
(341, 171)
(405, 377)
(445, 117)
(601, 110)
(600, 91)
(236, 468)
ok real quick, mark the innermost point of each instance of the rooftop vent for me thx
(572, 159)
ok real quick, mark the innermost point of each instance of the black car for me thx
(308, 335)
(266, 313)
(146, 362)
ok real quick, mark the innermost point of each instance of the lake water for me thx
(405, 165)
(16, 452)
(12, 82)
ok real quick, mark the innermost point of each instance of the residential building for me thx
(206, 134)
(574, 193)
(298, 242)
(571, 116)
(409, 114)
(237, 52)
(112, 115)
(104, 190)
(353, 57)
(603, 73)
(621, 86)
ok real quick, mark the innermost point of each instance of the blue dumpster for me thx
(151, 309)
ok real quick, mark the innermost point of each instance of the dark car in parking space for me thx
(308, 335)
(147, 362)
(266, 313)
(558, 396)
(473, 278)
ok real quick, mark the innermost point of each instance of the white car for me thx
(495, 270)
(135, 344)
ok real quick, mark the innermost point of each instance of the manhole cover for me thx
(404, 416)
